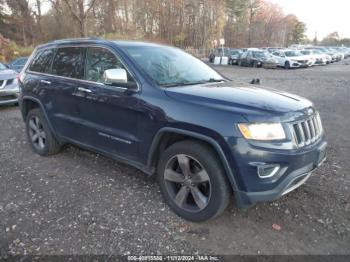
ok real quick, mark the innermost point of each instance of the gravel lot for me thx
(79, 202)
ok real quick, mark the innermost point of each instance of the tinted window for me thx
(2, 67)
(42, 61)
(69, 62)
(99, 60)
(20, 61)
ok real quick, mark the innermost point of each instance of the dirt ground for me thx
(78, 202)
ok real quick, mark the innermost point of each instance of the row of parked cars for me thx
(273, 57)
(9, 90)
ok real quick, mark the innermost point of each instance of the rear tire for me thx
(287, 65)
(193, 181)
(39, 134)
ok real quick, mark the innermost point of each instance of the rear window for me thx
(69, 62)
(21, 61)
(42, 61)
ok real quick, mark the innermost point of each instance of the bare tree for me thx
(82, 14)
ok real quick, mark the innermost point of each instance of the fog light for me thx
(266, 170)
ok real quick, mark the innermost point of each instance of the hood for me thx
(7, 74)
(241, 99)
(302, 57)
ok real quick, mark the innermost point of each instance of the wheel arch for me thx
(28, 103)
(161, 142)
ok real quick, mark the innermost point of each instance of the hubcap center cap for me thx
(188, 182)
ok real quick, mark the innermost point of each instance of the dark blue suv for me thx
(169, 114)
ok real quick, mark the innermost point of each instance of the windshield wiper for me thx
(187, 83)
(213, 80)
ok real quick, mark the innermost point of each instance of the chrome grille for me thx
(307, 131)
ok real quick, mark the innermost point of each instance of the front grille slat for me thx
(307, 131)
(317, 130)
(312, 130)
(301, 134)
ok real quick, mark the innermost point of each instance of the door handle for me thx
(45, 82)
(82, 89)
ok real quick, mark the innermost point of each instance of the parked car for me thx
(291, 59)
(18, 63)
(234, 56)
(273, 49)
(256, 58)
(315, 56)
(220, 51)
(327, 51)
(339, 53)
(9, 90)
(169, 114)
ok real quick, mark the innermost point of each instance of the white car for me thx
(318, 58)
(291, 59)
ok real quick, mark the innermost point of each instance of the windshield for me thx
(292, 53)
(259, 54)
(2, 67)
(306, 52)
(235, 52)
(170, 66)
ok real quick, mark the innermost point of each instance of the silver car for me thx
(9, 89)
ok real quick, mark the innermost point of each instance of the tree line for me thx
(184, 23)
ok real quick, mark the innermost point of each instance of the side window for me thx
(42, 61)
(99, 60)
(19, 62)
(69, 62)
(276, 54)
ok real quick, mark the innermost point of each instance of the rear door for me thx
(67, 73)
(243, 58)
(280, 59)
(108, 113)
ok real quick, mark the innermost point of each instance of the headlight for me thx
(262, 131)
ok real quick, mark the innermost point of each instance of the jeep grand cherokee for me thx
(167, 113)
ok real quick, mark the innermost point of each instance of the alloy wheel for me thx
(37, 133)
(187, 182)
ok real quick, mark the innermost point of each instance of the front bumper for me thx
(9, 95)
(294, 168)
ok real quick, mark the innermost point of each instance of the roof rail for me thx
(75, 39)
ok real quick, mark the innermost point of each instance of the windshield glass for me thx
(292, 53)
(306, 52)
(2, 67)
(235, 52)
(170, 66)
(259, 54)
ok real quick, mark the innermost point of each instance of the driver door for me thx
(108, 113)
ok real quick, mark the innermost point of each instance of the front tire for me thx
(287, 65)
(193, 181)
(39, 135)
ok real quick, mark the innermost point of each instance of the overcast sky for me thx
(321, 16)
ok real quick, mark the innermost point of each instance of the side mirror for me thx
(115, 76)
